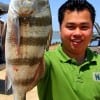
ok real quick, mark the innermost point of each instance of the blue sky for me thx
(55, 4)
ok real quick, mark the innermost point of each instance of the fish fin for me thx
(17, 28)
(15, 31)
(8, 86)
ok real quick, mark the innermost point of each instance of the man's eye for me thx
(84, 27)
(70, 27)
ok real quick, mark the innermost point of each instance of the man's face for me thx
(76, 31)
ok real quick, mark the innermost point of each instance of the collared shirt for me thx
(66, 80)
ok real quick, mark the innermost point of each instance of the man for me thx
(72, 71)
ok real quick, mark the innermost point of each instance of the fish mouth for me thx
(25, 12)
(27, 6)
(24, 8)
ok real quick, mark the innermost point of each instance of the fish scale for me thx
(29, 32)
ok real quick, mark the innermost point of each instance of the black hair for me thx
(78, 5)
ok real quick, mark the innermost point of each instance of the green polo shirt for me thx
(65, 80)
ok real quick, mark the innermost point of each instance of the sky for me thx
(55, 4)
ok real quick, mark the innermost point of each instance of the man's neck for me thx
(78, 56)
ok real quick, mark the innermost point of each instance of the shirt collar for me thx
(62, 56)
(90, 56)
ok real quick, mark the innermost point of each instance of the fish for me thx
(28, 36)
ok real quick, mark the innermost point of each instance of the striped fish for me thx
(28, 34)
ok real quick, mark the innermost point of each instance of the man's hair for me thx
(78, 5)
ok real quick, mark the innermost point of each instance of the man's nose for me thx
(77, 32)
